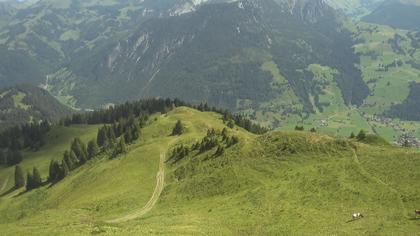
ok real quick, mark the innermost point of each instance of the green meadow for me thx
(280, 183)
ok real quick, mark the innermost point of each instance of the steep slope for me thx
(217, 53)
(50, 33)
(278, 183)
(403, 14)
(25, 103)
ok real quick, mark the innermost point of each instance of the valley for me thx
(209, 117)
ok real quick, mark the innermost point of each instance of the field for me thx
(278, 183)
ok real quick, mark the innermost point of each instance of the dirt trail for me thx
(3, 187)
(160, 180)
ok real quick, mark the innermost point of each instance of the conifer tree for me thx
(74, 160)
(54, 171)
(111, 135)
(128, 136)
(64, 170)
(361, 136)
(69, 161)
(29, 181)
(37, 180)
(102, 137)
(178, 129)
(120, 148)
(92, 149)
(136, 132)
(19, 177)
(79, 148)
(231, 124)
(352, 135)
(51, 173)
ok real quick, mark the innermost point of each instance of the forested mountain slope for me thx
(255, 52)
(25, 103)
(403, 14)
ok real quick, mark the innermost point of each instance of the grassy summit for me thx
(277, 183)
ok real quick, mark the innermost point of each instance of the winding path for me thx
(160, 180)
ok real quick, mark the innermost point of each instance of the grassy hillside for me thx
(278, 183)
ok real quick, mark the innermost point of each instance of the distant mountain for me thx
(237, 55)
(45, 35)
(403, 14)
(26, 103)
(6, 12)
(355, 8)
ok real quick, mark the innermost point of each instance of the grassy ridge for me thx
(279, 183)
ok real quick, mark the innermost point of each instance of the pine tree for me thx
(352, 135)
(111, 135)
(92, 149)
(69, 161)
(135, 131)
(54, 171)
(74, 160)
(51, 172)
(231, 124)
(128, 136)
(361, 136)
(102, 137)
(120, 148)
(406, 143)
(19, 177)
(37, 180)
(64, 170)
(79, 148)
(178, 129)
(313, 130)
(29, 181)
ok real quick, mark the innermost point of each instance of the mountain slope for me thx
(25, 103)
(164, 57)
(355, 8)
(403, 14)
(279, 183)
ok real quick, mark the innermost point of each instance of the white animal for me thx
(357, 216)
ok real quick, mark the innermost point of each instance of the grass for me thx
(282, 183)
(58, 141)
(18, 101)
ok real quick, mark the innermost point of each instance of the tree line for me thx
(111, 140)
(15, 139)
(219, 140)
(33, 136)
(150, 106)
